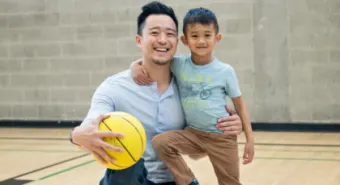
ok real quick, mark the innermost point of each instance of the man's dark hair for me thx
(200, 16)
(153, 8)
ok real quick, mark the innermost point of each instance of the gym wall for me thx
(54, 53)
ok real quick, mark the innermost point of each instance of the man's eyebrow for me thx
(171, 29)
(157, 27)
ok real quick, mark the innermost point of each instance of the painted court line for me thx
(240, 148)
(293, 144)
(268, 144)
(242, 143)
(49, 166)
(32, 138)
(66, 170)
(25, 144)
(264, 158)
(43, 151)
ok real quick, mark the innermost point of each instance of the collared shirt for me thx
(203, 90)
(157, 113)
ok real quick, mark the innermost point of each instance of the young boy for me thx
(203, 82)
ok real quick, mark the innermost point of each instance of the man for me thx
(157, 106)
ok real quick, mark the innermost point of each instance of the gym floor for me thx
(45, 157)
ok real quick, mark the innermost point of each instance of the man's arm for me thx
(87, 135)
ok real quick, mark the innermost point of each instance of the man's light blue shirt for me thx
(203, 90)
(158, 113)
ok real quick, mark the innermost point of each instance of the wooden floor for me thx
(45, 157)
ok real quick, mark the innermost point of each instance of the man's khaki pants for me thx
(222, 150)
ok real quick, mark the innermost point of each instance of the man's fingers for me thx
(98, 157)
(102, 144)
(101, 152)
(231, 128)
(102, 117)
(228, 118)
(229, 110)
(234, 132)
(108, 134)
(224, 125)
(108, 146)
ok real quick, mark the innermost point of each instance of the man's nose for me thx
(162, 38)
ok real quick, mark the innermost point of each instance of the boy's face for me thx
(201, 39)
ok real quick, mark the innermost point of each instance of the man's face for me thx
(159, 39)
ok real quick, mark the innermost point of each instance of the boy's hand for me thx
(140, 75)
(248, 153)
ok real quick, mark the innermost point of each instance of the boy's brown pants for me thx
(222, 150)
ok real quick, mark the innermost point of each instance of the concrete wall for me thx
(54, 53)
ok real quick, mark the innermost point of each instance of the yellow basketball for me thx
(133, 143)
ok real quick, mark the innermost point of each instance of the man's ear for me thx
(218, 37)
(184, 40)
(139, 41)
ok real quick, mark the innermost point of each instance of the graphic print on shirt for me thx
(194, 90)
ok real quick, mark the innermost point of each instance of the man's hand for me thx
(231, 125)
(89, 138)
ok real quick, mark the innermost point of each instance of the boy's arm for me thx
(234, 92)
(139, 74)
(241, 110)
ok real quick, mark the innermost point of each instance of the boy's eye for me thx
(193, 35)
(154, 33)
(207, 35)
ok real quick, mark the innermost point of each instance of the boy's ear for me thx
(139, 40)
(184, 40)
(218, 37)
